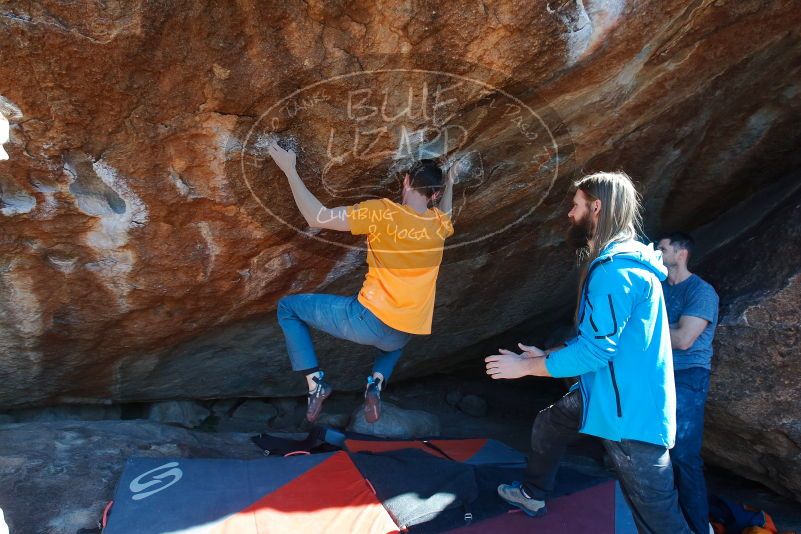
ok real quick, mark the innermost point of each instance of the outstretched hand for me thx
(530, 351)
(507, 364)
(285, 159)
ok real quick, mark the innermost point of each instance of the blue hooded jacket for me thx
(622, 352)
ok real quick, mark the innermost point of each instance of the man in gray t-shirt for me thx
(692, 307)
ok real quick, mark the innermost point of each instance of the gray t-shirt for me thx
(696, 298)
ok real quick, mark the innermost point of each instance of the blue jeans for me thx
(692, 386)
(644, 469)
(342, 317)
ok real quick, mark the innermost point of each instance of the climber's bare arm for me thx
(316, 215)
(446, 202)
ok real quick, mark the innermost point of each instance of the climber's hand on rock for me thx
(450, 177)
(285, 159)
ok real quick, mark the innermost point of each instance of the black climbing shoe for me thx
(372, 400)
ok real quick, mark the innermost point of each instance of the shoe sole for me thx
(372, 408)
(542, 511)
(313, 416)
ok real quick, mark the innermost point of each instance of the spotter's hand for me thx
(507, 364)
(530, 351)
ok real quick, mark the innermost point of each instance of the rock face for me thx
(396, 423)
(141, 245)
(752, 421)
(145, 239)
(185, 413)
(473, 405)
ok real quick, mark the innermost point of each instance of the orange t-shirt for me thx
(404, 251)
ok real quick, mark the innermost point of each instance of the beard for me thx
(580, 233)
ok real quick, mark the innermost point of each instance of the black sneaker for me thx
(315, 398)
(372, 400)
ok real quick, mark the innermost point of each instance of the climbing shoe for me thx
(316, 397)
(372, 400)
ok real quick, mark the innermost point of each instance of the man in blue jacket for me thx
(625, 392)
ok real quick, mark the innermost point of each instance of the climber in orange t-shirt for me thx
(405, 243)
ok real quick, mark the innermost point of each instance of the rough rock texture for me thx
(57, 477)
(145, 240)
(255, 410)
(185, 413)
(473, 405)
(752, 422)
(70, 412)
(396, 423)
(135, 264)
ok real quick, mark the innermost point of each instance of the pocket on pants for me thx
(645, 469)
(389, 339)
(370, 322)
(359, 310)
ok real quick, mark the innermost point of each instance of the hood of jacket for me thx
(635, 251)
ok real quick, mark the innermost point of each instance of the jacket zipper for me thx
(586, 287)
(584, 290)
(617, 392)
(583, 404)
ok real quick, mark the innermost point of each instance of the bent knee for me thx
(285, 308)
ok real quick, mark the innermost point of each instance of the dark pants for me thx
(644, 469)
(692, 386)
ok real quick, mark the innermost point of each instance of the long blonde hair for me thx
(620, 218)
